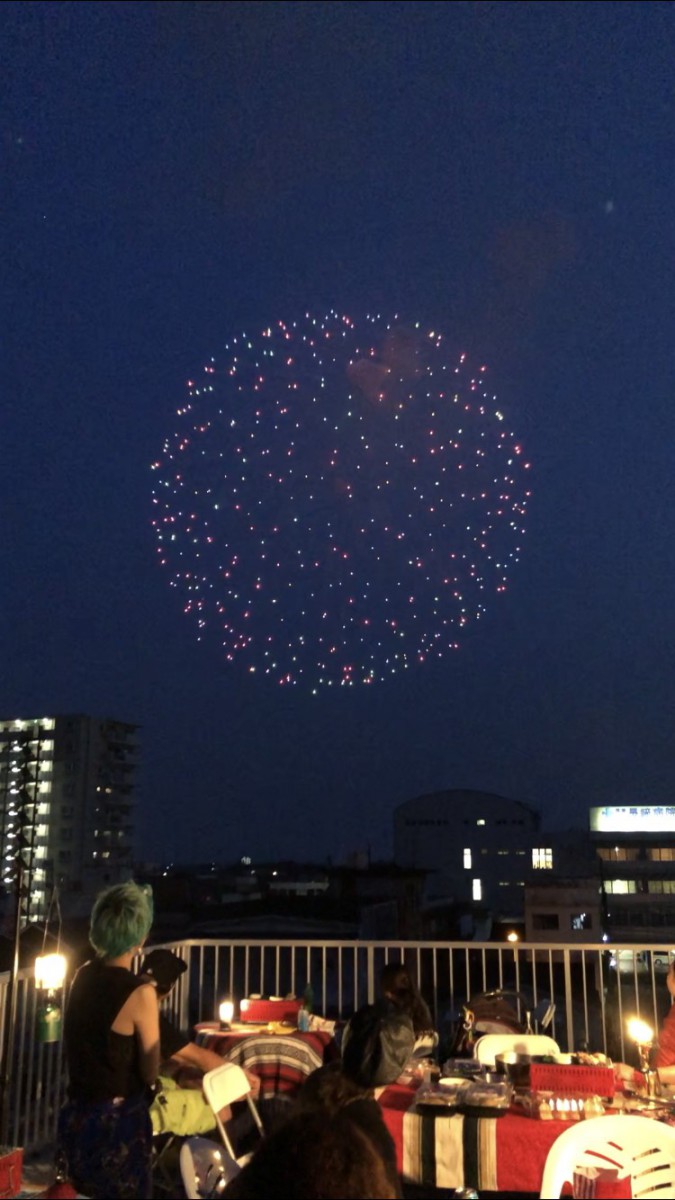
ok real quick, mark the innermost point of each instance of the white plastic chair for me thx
(490, 1044)
(222, 1087)
(205, 1168)
(638, 1146)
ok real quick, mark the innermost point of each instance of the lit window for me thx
(477, 890)
(467, 860)
(580, 921)
(542, 859)
(480, 821)
(621, 887)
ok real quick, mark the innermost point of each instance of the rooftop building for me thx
(67, 807)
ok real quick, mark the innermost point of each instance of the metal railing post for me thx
(569, 1006)
(370, 961)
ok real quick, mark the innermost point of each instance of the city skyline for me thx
(178, 174)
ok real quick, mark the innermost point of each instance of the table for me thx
(493, 1154)
(282, 1061)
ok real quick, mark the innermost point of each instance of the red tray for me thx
(11, 1166)
(567, 1079)
(261, 1011)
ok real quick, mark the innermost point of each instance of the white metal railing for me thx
(594, 988)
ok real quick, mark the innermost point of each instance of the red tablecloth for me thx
(283, 1061)
(505, 1154)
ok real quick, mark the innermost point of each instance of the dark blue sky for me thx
(504, 171)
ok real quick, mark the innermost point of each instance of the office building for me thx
(478, 847)
(67, 807)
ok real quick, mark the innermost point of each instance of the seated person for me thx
(398, 989)
(315, 1154)
(179, 1106)
(376, 1045)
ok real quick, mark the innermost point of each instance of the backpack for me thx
(376, 1045)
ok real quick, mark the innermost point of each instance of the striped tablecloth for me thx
(492, 1154)
(282, 1061)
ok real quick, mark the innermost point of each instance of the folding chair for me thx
(162, 1175)
(206, 1169)
(222, 1087)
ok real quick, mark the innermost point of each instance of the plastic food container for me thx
(441, 1098)
(480, 1099)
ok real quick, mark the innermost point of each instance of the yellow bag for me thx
(183, 1111)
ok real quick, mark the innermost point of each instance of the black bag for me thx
(376, 1045)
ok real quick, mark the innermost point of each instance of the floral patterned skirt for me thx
(107, 1148)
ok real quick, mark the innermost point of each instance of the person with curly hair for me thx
(314, 1156)
(376, 1045)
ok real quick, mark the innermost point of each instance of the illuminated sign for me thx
(633, 819)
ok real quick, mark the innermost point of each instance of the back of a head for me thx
(314, 1156)
(395, 981)
(328, 1088)
(376, 1045)
(399, 989)
(164, 968)
(120, 919)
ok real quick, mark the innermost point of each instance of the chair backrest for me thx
(204, 1165)
(642, 1148)
(225, 1084)
(491, 1044)
(222, 1086)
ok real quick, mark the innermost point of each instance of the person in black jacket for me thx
(179, 1106)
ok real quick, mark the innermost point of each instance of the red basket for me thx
(567, 1079)
(11, 1169)
(264, 1011)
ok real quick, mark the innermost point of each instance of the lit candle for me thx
(226, 1012)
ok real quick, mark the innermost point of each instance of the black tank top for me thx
(101, 1064)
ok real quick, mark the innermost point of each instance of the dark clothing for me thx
(411, 1003)
(108, 1148)
(102, 1065)
(171, 1040)
(367, 1114)
(105, 1132)
(331, 1091)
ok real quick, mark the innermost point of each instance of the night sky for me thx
(176, 173)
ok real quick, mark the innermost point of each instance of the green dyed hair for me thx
(120, 919)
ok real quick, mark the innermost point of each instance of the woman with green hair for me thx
(111, 1037)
